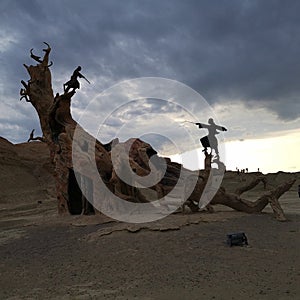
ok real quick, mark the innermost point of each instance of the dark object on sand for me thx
(299, 190)
(237, 239)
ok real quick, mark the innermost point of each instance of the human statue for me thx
(73, 83)
(210, 140)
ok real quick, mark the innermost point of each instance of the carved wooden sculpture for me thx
(58, 129)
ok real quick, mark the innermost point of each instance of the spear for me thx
(188, 122)
(86, 79)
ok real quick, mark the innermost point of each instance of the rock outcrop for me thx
(26, 175)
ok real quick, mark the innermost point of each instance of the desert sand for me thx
(184, 256)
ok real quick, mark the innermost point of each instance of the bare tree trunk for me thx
(234, 201)
(251, 185)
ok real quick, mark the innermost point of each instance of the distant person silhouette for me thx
(210, 140)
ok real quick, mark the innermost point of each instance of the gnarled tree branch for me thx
(251, 185)
(37, 138)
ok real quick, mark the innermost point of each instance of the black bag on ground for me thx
(237, 239)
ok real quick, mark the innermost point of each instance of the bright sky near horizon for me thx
(269, 155)
(241, 56)
(264, 142)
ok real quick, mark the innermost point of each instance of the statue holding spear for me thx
(73, 82)
(210, 141)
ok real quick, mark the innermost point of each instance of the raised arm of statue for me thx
(221, 128)
(201, 125)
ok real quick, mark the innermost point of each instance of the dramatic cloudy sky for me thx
(242, 56)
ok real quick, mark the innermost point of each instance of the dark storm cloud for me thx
(226, 50)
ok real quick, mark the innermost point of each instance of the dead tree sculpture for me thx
(35, 138)
(58, 129)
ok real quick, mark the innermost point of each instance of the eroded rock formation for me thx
(58, 129)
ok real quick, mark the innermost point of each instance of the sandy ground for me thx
(87, 258)
(44, 256)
